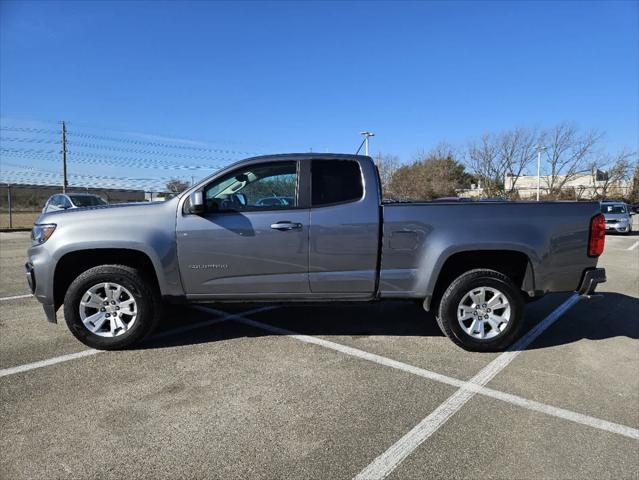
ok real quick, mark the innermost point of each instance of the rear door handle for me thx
(286, 225)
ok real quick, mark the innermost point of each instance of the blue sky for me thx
(291, 76)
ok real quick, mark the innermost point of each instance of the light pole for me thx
(366, 136)
(539, 149)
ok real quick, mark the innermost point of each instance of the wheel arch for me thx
(513, 263)
(73, 263)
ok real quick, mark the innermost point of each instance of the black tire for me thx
(447, 315)
(145, 294)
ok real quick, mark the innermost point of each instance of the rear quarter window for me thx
(335, 181)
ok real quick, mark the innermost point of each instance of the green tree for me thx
(432, 175)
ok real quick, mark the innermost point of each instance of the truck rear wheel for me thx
(482, 310)
(111, 307)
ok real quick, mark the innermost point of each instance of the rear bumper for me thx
(590, 280)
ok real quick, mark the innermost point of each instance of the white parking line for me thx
(15, 297)
(383, 465)
(85, 353)
(633, 246)
(438, 377)
(47, 363)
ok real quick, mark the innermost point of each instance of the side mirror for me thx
(196, 203)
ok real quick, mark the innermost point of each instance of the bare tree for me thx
(498, 160)
(567, 151)
(633, 195)
(387, 165)
(609, 173)
(175, 185)
(517, 150)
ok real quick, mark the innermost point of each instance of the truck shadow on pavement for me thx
(614, 315)
(634, 233)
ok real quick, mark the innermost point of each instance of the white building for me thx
(582, 186)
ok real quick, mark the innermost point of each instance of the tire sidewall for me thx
(122, 277)
(448, 311)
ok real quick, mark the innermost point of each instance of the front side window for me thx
(271, 186)
(336, 181)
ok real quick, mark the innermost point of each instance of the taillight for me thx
(597, 235)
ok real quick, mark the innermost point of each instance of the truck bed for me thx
(418, 238)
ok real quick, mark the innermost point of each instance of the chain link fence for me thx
(20, 205)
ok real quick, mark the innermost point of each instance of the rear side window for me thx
(335, 181)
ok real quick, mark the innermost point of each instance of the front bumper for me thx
(49, 309)
(28, 270)
(590, 280)
(618, 227)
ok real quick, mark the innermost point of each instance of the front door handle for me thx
(286, 225)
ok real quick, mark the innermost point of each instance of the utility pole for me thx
(65, 184)
(366, 136)
(539, 149)
(10, 206)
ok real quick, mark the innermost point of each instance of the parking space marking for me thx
(48, 362)
(533, 405)
(15, 297)
(633, 246)
(85, 353)
(384, 464)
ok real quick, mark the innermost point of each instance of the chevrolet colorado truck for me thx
(310, 228)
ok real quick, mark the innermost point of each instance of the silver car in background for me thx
(618, 217)
(66, 201)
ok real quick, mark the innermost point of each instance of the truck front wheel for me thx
(481, 310)
(111, 307)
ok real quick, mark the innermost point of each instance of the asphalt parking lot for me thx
(324, 392)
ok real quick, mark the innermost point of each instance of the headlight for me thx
(41, 233)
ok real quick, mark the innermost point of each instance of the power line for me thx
(126, 141)
(157, 144)
(97, 146)
(29, 140)
(83, 150)
(76, 178)
(87, 158)
(29, 130)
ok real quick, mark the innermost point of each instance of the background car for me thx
(618, 217)
(63, 201)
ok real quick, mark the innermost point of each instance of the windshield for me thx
(613, 209)
(86, 200)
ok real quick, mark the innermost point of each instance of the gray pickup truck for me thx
(310, 228)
